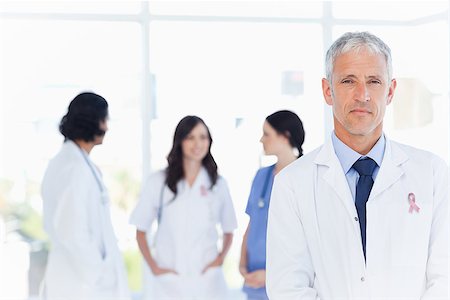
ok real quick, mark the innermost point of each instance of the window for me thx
(230, 62)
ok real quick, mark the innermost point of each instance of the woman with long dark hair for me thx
(187, 199)
(283, 136)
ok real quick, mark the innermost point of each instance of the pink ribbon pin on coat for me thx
(412, 203)
(203, 191)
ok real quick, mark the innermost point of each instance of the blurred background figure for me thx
(84, 261)
(283, 137)
(188, 199)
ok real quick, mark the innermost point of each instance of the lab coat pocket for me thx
(168, 285)
(412, 230)
(212, 270)
(166, 276)
(213, 283)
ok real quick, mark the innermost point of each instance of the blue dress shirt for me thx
(347, 157)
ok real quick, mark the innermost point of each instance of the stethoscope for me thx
(262, 198)
(104, 194)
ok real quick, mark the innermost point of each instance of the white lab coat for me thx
(84, 261)
(314, 243)
(186, 239)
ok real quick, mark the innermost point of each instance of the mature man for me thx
(361, 217)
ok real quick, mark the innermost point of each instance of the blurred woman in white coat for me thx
(84, 260)
(188, 199)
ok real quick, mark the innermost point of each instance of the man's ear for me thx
(326, 89)
(391, 91)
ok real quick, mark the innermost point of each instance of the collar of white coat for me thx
(73, 147)
(390, 170)
(347, 156)
(202, 179)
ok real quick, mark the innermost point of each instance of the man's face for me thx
(359, 93)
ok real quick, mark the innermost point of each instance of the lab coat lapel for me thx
(202, 180)
(334, 176)
(390, 169)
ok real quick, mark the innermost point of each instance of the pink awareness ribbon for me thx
(412, 203)
(203, 191)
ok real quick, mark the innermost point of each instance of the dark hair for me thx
(82, 121)
(287, 123)
(175, 171)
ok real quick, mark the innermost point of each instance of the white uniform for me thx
(314, 243)
(84, 261)
(186, 240)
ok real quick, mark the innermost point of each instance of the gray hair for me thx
(355, 41)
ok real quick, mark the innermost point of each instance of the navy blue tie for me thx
(365, 168)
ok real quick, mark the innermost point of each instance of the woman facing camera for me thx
(187, 199)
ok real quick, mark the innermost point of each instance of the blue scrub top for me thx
(256, 236)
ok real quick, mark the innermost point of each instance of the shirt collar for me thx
(347, 156)
(202, 179)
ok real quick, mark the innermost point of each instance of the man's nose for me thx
(362, 93)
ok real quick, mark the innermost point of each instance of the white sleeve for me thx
(146, 210)
(289, 269)
(227, 214)
(438, 251)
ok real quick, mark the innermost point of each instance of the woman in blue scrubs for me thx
(283, 136)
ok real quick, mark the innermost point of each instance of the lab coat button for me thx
(362, 279)
(356, 219)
